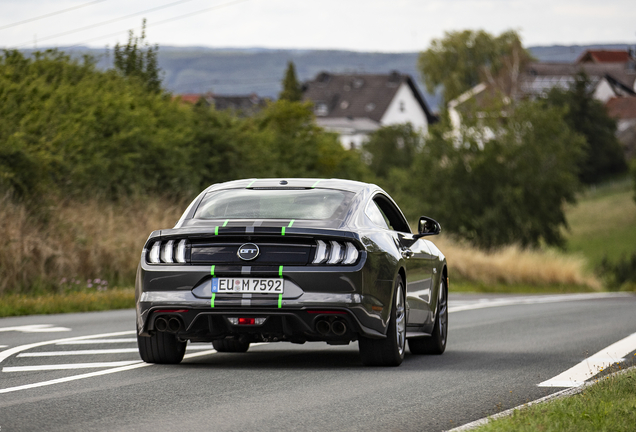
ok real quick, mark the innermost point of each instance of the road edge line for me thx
(558, 395)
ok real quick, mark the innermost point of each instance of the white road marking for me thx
(11, 351)
(98, 351)
(94, 374)
(68, 366)
(577, 375)
(3, 346)
(498, 302)
(35, 328)
(82, 352)
(101, 341)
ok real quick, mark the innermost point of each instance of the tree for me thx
(461, 60)
(79, 130)
(588, 117)
(291, 87)
(504, 190)
(137, 59)
(633, 169)
(392, 147)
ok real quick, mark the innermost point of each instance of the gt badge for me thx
(248, 251)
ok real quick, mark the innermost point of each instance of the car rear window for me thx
(274, 204)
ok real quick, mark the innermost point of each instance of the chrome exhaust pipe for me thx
(174, 325)
(323, 327)
(339, 328)
(161, 324)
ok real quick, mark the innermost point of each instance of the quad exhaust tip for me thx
(324, 327)
(169, 324)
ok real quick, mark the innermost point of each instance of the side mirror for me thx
(427, 226)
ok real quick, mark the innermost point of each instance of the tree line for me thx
(69, 129)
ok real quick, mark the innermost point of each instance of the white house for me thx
(612, 74)
(356, 105)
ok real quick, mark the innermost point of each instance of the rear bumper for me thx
(293, 317)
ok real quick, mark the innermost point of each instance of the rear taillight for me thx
(334, 252)
(168, 252)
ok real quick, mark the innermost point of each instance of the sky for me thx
(357, 25)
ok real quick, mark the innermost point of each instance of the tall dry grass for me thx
(514, 265)
(100, 239)
(79, 240)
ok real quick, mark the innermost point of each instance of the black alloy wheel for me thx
(388, 351)
(436, 343)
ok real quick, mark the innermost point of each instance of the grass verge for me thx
(608, 405)
(21, 304)
(603, 223)
(461, 286)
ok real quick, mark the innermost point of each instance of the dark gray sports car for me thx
(293, 260)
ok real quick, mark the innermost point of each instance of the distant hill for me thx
(260, 71)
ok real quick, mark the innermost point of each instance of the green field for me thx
(603, 223)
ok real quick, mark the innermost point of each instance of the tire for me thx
(161, 348)
(435, 344)
(231, 345)
(388, 351)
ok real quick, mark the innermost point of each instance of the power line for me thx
(231, 3)
(50, 14)
(108, 22)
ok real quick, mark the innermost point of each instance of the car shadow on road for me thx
(286, 357)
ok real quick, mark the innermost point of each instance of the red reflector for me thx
(247, 321)
(326, 312)
(171, 310)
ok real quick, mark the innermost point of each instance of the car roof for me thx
(294, 183)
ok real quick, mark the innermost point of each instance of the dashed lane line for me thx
(35, 328)
(82, 352)
(68, 366)
(99, 351)
(498, 302)
(98, 341)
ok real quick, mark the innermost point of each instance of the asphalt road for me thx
(495, 358)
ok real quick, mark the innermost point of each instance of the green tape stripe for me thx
(213, 294)
(249, 185)
(316, 184)
(280, 296)
(282, 231)
(291, 223)
(216, 230)
(226, 221)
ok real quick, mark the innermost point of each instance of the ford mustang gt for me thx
(296, 260)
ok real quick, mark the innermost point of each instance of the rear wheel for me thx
(436, 343)
(388, 351)
(161, 347)
(232, 345)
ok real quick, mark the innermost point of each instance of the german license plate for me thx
(247, 285)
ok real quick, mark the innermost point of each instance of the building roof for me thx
(604, 56)
(622, 107)
(191, 98)
(358, 95)
(247, 104)
(540, 77)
